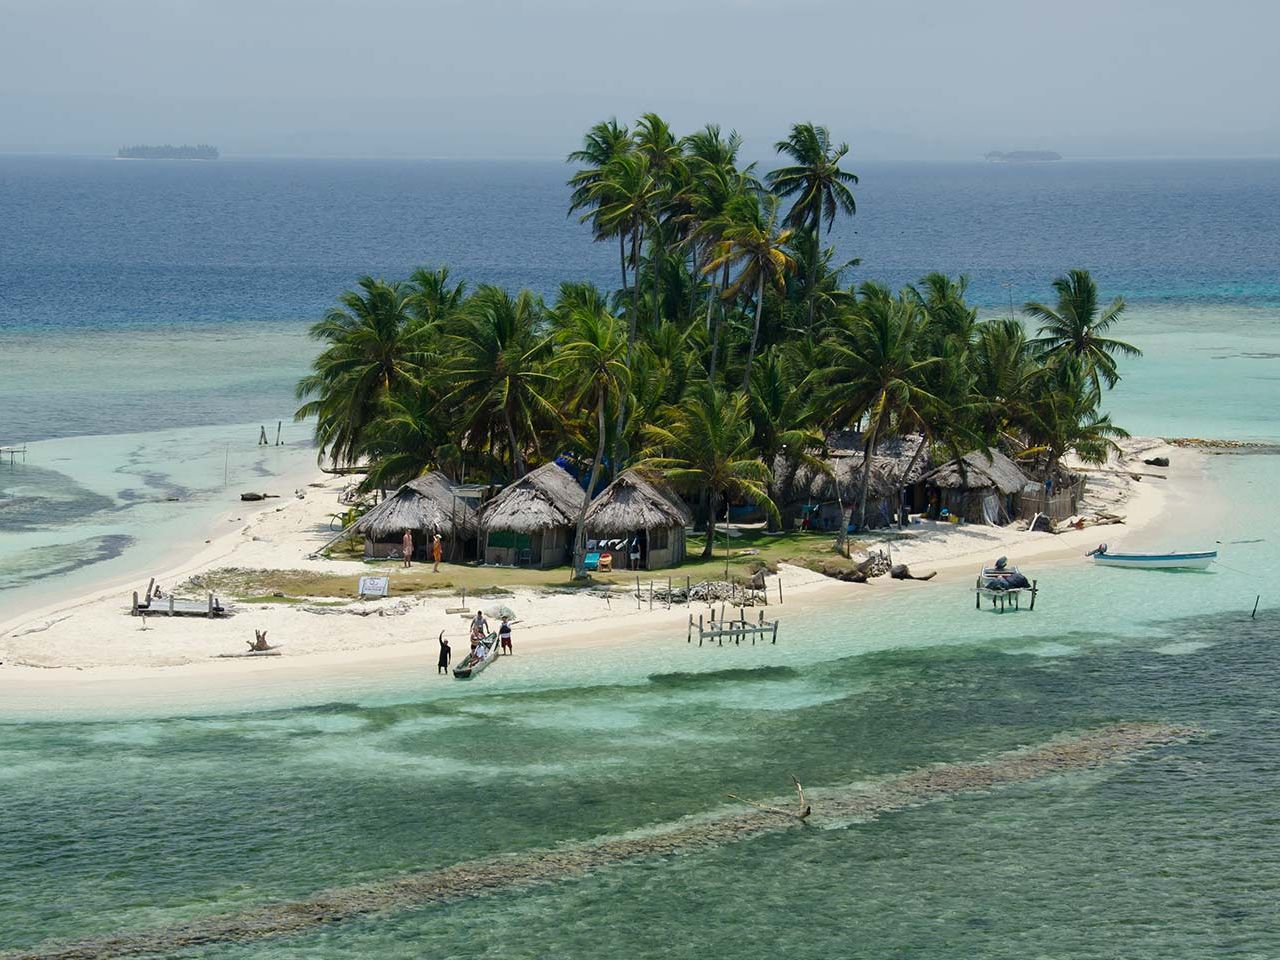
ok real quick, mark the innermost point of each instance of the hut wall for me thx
(382, 549)
(666, 547)
(982, 505)
(555, 547)
(1060, 505)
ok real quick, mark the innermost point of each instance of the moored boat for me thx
(1192, 560)
(485, 653)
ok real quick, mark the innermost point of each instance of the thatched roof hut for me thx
(980, 469)
(424, 506)
(641, 508)
(533, 520)
(983, 486)
(894, 467)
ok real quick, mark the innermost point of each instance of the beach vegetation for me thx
(736, 345)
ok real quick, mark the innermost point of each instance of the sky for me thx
(912, 79)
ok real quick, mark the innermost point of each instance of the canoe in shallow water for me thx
(471, 664)
(1157, 561)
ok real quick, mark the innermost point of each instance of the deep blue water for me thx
(90, 242)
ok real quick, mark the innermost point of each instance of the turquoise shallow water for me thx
(134, 347)
(120, 823)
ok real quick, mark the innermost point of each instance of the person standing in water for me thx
(437, 552)
(406, 547)
(446, 652)
(504, 637)
(479, 627)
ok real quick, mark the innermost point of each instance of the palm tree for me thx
(656, 143)
(435, 299)
(591, 361)
(752, 241)
(1004, 367)
(704, 444)
(1076, 327)
(875, 375)
(820, 187)
(783, 416)
(495, 370)
(373, 347)
(1063, 416)
(411, 436)
(603, 144)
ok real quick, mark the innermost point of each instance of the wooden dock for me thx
(13, 453)
(718, 629)
(171, 606)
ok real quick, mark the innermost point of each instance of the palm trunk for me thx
(902, 485)
(714, 504)
(622, 258)
(656, 259)
(579, 541)
(517, 457)
(869, 451)
(693, 281)
(631, 339)
(813, 271)
(755, 332)
(717, 296)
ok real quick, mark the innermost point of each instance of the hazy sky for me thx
(465, 78)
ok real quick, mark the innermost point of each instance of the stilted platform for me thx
(718, 629)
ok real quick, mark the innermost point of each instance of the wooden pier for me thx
(735, 630)
(171, 606)
(13, 453)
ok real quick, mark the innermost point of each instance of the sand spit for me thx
(862, 802)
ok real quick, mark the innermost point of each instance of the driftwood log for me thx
(900, 571)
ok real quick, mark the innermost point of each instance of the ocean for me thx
(152, 320)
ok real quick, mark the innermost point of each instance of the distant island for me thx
(201, 151)
(1023, 156)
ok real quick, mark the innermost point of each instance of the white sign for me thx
(373, 586)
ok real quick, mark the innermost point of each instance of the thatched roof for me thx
(540, 500)
(889, 470)
(980, 469)
(633, 502)
(426, 503)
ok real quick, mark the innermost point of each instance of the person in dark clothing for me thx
(504, 636)
(445, 653)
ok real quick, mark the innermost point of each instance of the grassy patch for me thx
(745, 554)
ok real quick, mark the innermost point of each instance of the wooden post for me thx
(637, 593)
(171, 604)
(279, 424)
(688, 592)
(135, 603)
(699, 627)
(651, 596)
(1033, 593)
(210, 615)
(1253, 616)
(775, 631)
(690, 639)
(150, 587)
(977, 597)
(779, 587)
(668, 593)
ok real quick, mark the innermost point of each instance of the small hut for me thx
(425, 506)
(641, 516)
(895, 482)
(983, 486)
(532, 521)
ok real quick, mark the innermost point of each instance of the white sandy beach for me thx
(90, 646)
